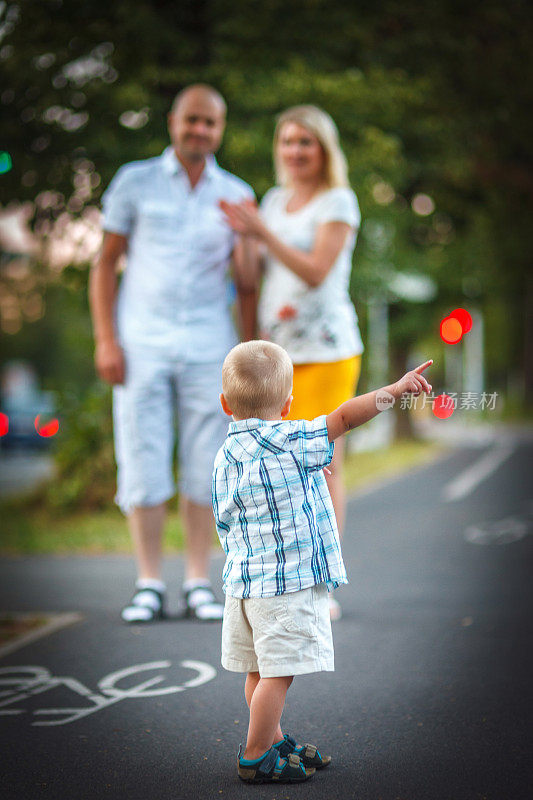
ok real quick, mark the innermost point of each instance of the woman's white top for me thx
(313, 324)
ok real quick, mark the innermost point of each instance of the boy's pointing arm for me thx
(361, 409)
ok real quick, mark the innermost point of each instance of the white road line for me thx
(470, 478)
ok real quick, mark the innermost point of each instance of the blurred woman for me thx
(307, 225)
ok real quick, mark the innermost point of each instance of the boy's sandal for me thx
(273, 769)
(308, 753)
(146, 605)
(201, 603)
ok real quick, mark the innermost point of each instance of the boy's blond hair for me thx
(257, 379)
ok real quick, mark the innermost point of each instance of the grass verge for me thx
(28, 531)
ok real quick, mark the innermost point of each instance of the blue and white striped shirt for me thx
(273, 511)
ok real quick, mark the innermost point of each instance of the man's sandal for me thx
(146, 605)
(271, 768)
(308, 753)
(201, 604)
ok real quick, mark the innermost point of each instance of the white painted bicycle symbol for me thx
(17, 684)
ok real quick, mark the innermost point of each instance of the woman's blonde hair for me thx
(257, 379)
(321, 125)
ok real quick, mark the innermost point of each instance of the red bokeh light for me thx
(443, 406)
(462, 315)
(455, 325)
(48, 428)
(451, 330)
(4, 424)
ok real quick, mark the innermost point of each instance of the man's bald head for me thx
(196, 122)
(201, 91)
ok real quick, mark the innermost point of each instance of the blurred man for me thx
(162, 336)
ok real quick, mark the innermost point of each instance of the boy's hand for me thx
(413, 382)
(364, 407)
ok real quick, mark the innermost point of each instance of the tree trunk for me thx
(403, 427)
(528, 343)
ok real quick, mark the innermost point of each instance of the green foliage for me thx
(84, 458)
(429, 98)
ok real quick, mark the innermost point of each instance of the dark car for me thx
(26, 408)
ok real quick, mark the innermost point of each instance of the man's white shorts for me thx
(289, 634)
(158, 393)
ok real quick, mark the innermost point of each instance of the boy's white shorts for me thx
(289, 634)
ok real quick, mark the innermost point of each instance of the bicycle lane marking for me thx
(41, 680)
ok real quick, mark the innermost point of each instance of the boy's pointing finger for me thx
(422, 367)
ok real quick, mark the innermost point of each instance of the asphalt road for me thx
(432, 693)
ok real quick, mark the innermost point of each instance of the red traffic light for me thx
(451, 330)
(462, 315)
(4, 424)
(455, 325)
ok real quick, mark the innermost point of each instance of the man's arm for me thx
(361, 409)
(109, 358)
(247, 274)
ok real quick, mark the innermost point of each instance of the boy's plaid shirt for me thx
(274, 515)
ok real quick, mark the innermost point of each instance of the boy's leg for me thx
(266, 702)
(252, 679)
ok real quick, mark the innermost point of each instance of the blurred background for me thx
(433, 102)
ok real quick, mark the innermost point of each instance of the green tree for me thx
(430, 100)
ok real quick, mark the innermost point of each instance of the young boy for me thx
(276, 523)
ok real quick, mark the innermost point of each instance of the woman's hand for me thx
(311, 267)
(243, 217)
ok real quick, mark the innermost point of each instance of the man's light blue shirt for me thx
(173, 296)
(273, 511)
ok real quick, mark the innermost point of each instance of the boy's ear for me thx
(227, 409)
(287, 407)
